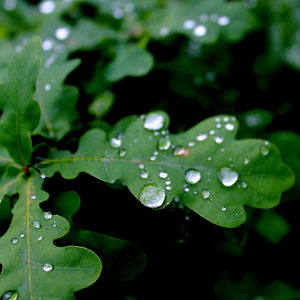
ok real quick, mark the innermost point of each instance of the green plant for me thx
(202, 170)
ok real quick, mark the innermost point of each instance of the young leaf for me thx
(121, 259)
(33, 267)
(206, 168)
(21, 111)
(7, 182)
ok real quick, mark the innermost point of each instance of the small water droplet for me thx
(217, 119)
(168, 187)
(246, 160)
(212, 132)
(164, 31)
(229, 126)
(186, 188)
(163, 144)
(222, 149)
(21, 253)
(200, 30)
(192, 176)
(244, 184)
(36, 224)
(218, 125)
(163, 174)
(47, 215)
(122, 152)
(226, 119)
(152, 195)
(264, 150)
(218, 139)
(144, 174)
(179, 151)
(47, 267)
(223, 208)
(153, 157)
(33, 197)
(115, 143)
(21, 235)
(14, 240)
(201, 137)
(39, 237)
(155, 153)
(62, 33)
(141, 166)
(189, 24)
(47, 45)
(191, 144)
(228, 176)
(154, 121)
(10, 295)
(47, 7)
(205, 194)
(53, 225)
(223, 21)
(168, 182)
(156, 133)
(43, 176)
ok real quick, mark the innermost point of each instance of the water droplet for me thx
(223, 208)
(21, 253)
(53, 225)
(21, 235)
(192, 176)
(168, 187)
(179, 150)
(222, 149)
(118, 13)
(141, 166)
(205, 194)
(228, 176)
(164, 31)
(33, 197)
(62, 33)
(47, 267)
(163, 174)
(144, 174)
(229, 126)
(191, 144)
(36, 224)
(209, 158)
(155, 153)
(14, 240)
(43, 176)
(152, 195)
(115, 143)
(47, 7)
(264, 150)
(218, 139)
(246, 160)
(154, 121)
(176, 199)
(163, 144)
(122, 152)
(168, 182)
(10, 295)
(223, 21)
(47, 215)
(153, 157)
(156, 133)
(226, 119)
(212, 132)
(244, 184)
(39, 237)
(200, 30)
(129, 7)
(218, 125)
(189, 24)
(47, 45)
(186, 188)
(201, 137)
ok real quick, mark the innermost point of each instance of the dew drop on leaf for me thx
(53, 225)
(192, 176)
(163, 144)
(246, 160)
(47, 267)
(33, 197)
(229, 126)
(191, 144)
(152, 195)
(205, 194)
(43, 176)
(144, 174)
(218, 139)
(153, 157)
(223, 21)
(47, 7)
(186, 188)
(163, 174)
(244, 184)
(21, 235)
(168, 182)
(228, 176)
(168, 187)
(154, 121)
(223, 208)
(200, 30)
(39, 237)
(122, 152)
(47, 215)
(36, 224)
(264, 150)
(179, 150)
(115, 143)
(201, 137)
(141, 166)
(14, 240)
(62, 33)
(10, 295)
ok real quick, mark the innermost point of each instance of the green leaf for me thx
(7, 182)
(251, 170)
(102, 104)
(21, 111)
(121, 259)
(32, 265)
(57, 102)
(130, 60)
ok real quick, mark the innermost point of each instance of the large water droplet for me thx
(201, 137)
(144, 174)
(47, 215)
(152, 195)
(154, 121)
(10, 295)
(264, 150)
(163, 174)
(47, 267)
(192, 176)
(229, 126)
(14, 240)
(36, 224)
(228, 176)
(163, 144)
(122, 152)
(115, 143)
(205, 194)
(218, 139)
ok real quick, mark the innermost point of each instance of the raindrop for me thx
(33, 197)
(186, 188)
(21, 253)
(144, 174)
(47, 7)
(21, 235)
(212, 132)
(209, 158)
(36, 224)
(168, 187)
(246, 160)
(62, 33)
(191, 144)
(223, 208)
(43, 176)
(163, 144)
(118, 14)
(152, 195)
(218, 125)
(40, 237)
(10, 295)
(155, 152)
(244, 184)
(153, 157)
(122, 152)
(222, 149)
(218, 139)
(47, 267)
(205, 194)
(115, 143)
(14, 240)
(164, 31)
(201, 137)
(47, 215)
(264, 150)
(179, 150)
(200, 30)
(154, 121)
(47, 45)
(192, 176)
(223, 21)
(53, 225)
(141, 166)
(229, 126)
(163, 174)
(189, 24)
(168, 182)
(226, 119)
(228, 176)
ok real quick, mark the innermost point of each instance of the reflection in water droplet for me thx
(47, 45)
(21, 235)
(246, 160)
(47, 215)
(122, 152)
(47, 7)
(33, 197)
(228, 176)
(168, 187)
(115, 143)
(153, 157)
(229, 126)
(43, 176)
(189, 24)
(223, 21)
(14, 240)
(179, 150)
(186, 188)
(200, 30)
(152, 195)
(47, 267)
(201, 137)
(191, 144)
(144, 174)
(10, 295)
(163, 174)
(163, 144)
(205, 194)
(154, 121)
(223, 208)
(40, 237)
(168, 182)
(244, 184)
(53, 225)
(218, 139)
(36, 224)
(141, 166)
(62, 33)
(192, 176)
(264, 150)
